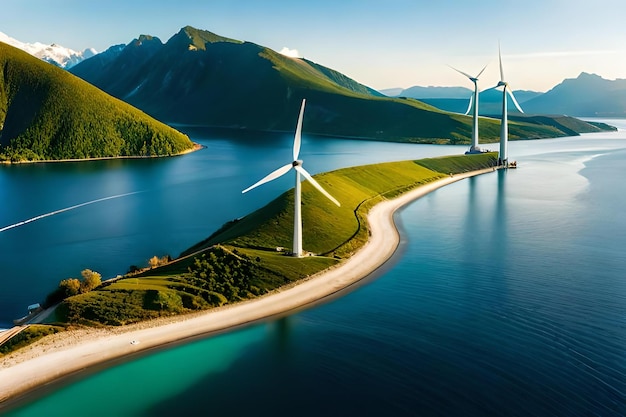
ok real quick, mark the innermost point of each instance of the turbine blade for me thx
(272, 176)
(500, 59)
(470, 104)
(308, 176)
(461, 72)
(514, 100)
(297, 140)
(481, 71)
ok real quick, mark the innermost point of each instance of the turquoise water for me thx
(507, 297)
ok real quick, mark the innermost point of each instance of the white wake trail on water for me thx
(52, 213)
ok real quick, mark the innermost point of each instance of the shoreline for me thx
(195, 147)
(57, 357)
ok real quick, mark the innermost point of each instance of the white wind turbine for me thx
(474, 146)
(504, 124)
(297, 166)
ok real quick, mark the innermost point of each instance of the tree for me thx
(91, 280)
(69, 287)
(154, 261)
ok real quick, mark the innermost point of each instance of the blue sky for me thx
(383, 44)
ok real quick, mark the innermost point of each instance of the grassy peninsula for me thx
(240, 261)
(48, 114)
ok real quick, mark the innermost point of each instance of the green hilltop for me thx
(200, 78)
(47, 113)
(240, 261)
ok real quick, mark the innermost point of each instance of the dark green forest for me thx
(48, 114)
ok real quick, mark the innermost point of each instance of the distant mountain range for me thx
(47, 113)
(200, 78)
(54, 54)
(588, 95)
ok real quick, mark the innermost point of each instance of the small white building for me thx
(33, 308)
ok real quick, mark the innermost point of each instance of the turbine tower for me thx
(474, 148)
(297, 166)
(503, 157)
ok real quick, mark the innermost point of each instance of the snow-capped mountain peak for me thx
(54, 54)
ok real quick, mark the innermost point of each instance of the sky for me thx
(380, 43)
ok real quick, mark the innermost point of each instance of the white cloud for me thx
(290, 52)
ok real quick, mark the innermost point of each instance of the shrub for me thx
(27, 336)
(90, 281)
(70, 287)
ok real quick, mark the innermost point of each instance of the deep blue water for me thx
(507, 298)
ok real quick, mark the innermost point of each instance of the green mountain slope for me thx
(48, 114)
(200, 78)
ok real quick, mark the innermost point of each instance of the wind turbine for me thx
(504, 124)
(296, 164)
(474, 146)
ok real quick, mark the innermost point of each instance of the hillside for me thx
(200, 78)
(586, 95)
(48, 114)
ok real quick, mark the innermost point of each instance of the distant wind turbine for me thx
(474, 147)
(504, 124)
(297, 166)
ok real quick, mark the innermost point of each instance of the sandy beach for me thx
(69, 352)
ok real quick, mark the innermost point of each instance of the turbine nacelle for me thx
(503, 156)
(473, 99)
(505, 84)
(473, 79)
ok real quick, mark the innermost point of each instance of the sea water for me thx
(506, 297)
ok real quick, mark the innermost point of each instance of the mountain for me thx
(200, 78)
(53, 54)
(456, 99)
(586, 95)
(392, 92)
(48, 113)
(100, 61)
(436, 92)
